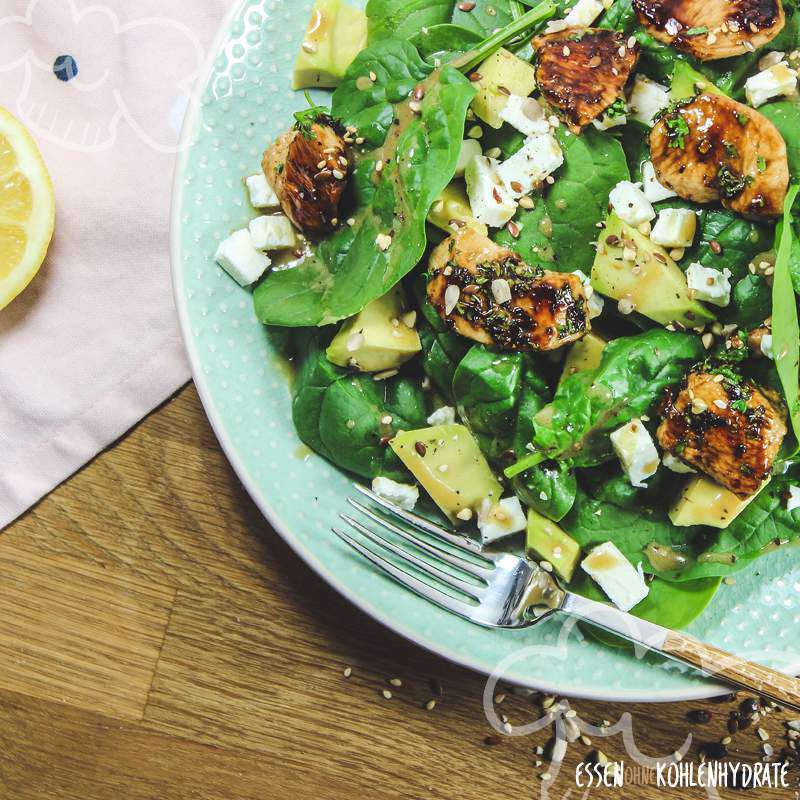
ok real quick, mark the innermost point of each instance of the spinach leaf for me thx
(739, 239)
(589, 406)
(444, 42)
(635, 139)
(619, 17)
(314, 378)
(751, 301)
(348, 270)
(785, 327)
(594, 163)
(350, 422)
(402, 19)
(550, 488)
(785, 116)
(487, 16)
(535, 234)
(486, 387)
(656, 59)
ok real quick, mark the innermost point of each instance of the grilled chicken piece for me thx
(308, 170)
(724, 426)
(582, 71)
(488, 293)
(710, 29)
(713, 148)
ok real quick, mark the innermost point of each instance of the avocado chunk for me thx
(705, 502)
(584, 355)
(546, 541)
(502, 74)
(335, 35)
(687, 82)
(629, 266)
(453, 207)
(377, 338)
(448, 463)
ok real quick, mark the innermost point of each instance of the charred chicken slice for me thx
(713, 148)
(307, 168)
(724, 426)
(488, 293)
(582, 71)
(710, 29)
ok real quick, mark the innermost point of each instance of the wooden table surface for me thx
(158, 640)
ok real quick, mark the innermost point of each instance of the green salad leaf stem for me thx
(785, 327)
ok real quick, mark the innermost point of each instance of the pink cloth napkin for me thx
(93, 344)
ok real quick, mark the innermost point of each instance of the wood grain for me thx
(158, 640)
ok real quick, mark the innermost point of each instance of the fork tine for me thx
(446, 578)
(408, 580)
(429, 547)
(426, 525)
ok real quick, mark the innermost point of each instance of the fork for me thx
(502, 590)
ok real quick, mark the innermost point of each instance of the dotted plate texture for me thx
(241, 104)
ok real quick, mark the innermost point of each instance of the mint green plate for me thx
(241, 104)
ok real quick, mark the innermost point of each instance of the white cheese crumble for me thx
(630, 204)
(606, 121)
(261, 193)
(581, 15)
(469, 149)
(594, 301)
(675, 227)
(622, 583)
(497, 520)
(653, 190)
(794, 498)
(489, 199)
(524, 114)
(674, 464)
(766, 347)
(401, 494)
(709, 284)
(775, 81)
(636, 452)
(238, 256)
(446, 415)
(539, 157)
(647, 98)
(273, 233)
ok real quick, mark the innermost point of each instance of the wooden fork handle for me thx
(769, 683)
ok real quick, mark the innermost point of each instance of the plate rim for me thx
(701, 692)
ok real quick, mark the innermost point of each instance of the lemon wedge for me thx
(27, 208)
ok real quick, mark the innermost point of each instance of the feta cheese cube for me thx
(774, 81)
(524, 114)
(766, 346)
(623, 584)
(261, 193)
(273, 233)
(630, 204)
(709, 284)
(636, 452)
(647, 98)
(582, 15)
(653, 190)
(401, 494)
(674, 464)
(489, 199)
(794, 498)
(501, 519)
(606, 121)
(533, 162)
(675, 227)
(469, 149)
(446, 415)
(594, 301)
(240, 259)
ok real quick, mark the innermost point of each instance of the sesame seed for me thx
(465, 514)
(383, 241)
(309, 47)
(430, 705)
(386, 419)
(386, 694)
(526, 202)
(498, 698)
(565, 51)
(373, 77)
(338, 174)
(321, 165)
(415, 106)
(395, 682)
(351, 221)
(546, 566)
(348, 671)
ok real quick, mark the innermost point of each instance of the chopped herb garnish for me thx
(761, 163)
(730, 183)
(700, 30)
(739, 405)
(730, 149)
(677, 131)
(313, 114)
(617, 108)
(742, 118)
